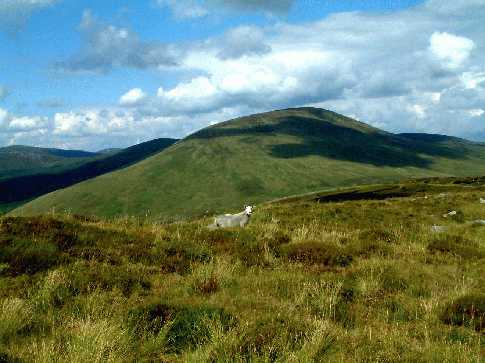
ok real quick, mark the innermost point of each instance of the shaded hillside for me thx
(30, 186)
(21, 160)
(263, 157)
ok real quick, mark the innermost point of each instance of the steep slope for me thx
(22, 160)
(262, 157)
(30, 186)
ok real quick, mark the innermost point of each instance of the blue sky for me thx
(95, 74)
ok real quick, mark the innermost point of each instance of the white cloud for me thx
(82, 123)
(106, 47)
(3, 117)
(10, 123)
(419, 111)
(435, 97)
(451, 50)
(477, 112)
(26, 123)
(242, 41)
(133, 97)
(472, 80)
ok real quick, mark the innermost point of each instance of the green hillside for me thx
(305, 281)
(22, 160)
(16, 189)
(262, 157)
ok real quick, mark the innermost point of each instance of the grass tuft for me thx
(468, 310)
(316, 253)
(456, 245)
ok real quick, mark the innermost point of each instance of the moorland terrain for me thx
(353, 275)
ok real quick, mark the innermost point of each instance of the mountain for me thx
(45, 180)
(263, 157)
(21, 160)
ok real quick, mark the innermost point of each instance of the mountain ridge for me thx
(261, 157)
(38, 182)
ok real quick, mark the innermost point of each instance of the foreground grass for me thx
(306, 281)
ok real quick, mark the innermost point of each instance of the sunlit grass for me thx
(304, 282)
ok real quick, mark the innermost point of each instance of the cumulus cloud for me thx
(107, 46)
(472, 80)
(99, 128)
(241, 41)
(394, 70)
(451, 50)
(15, 13)
(10, 123)
(133, 97)
(415, 70)
(476, 112)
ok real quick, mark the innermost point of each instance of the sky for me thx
(96, 74)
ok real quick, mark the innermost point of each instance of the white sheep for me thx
(233, 220)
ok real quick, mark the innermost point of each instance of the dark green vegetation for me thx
(260, 158)
(307, 281)
(24, 160)
(52, 169)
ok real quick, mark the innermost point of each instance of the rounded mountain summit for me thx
(262, 157)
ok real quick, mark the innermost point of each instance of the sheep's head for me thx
(248, 210)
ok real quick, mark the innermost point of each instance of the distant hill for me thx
(21, 160)
(263, 157)
(61, 175)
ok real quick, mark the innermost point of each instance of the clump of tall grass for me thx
(316, 253)
(16, 315)
(96, 341)
(468, 310)
(183, 326)
(456, 245)
(270, 338)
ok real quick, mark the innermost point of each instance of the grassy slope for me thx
(24, 160)
(26, 187)
(259, 158)
(304, 282)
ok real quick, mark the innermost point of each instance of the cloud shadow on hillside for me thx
(337, 142)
